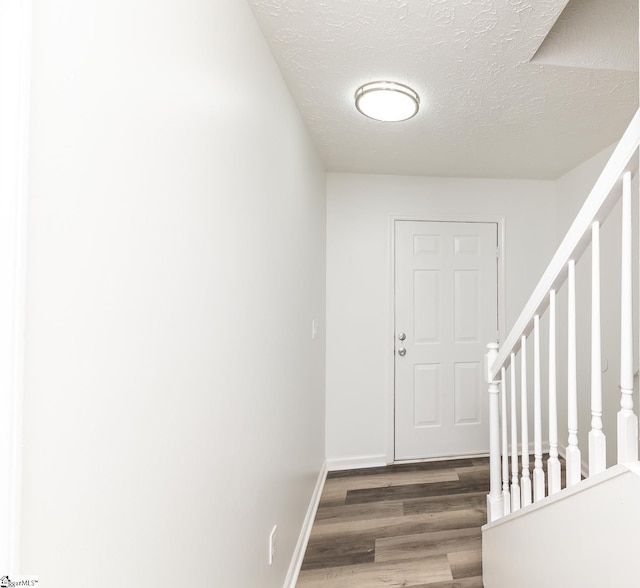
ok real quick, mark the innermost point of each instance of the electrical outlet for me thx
(272, 544)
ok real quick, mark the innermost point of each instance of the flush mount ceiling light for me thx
(387, 101)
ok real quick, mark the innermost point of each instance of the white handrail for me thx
(585, 230)
(596, 208)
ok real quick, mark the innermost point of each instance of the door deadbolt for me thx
(402, 336)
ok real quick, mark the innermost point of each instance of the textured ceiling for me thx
(487, 109)
(596, 34)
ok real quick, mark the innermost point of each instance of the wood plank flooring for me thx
(413, 525)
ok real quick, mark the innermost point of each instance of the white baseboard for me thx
(305, 531)
(354, 463)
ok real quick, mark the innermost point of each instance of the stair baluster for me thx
(553, 463)
(506, 497)
(573, 451)
(597, 440)
(525, 481)
(627, 420)
(515, 485)
(538, 471)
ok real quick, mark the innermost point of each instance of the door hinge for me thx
(497, 252)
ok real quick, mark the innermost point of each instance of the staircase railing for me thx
(514, 486)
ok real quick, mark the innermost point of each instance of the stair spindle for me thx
(573, 451)
(506, 497)
(515, 485)
(553, 463)
(597, 440)
(525, 481)
(627, 420)
(538, 471)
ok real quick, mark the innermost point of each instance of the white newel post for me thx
(627, 420)
(525, 481)
(495, 508)
(597, 440)
(538, 471)
(506, 496)
(553, 464)
(573, 451)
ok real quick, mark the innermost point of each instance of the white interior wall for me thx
(604, 510)
(15, 45)
(359, 285)
(174, 404)
(169, 312)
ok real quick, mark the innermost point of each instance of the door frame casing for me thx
(500, 221)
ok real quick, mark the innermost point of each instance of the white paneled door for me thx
(446, 311)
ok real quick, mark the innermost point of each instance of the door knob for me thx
(402, 336)
(402, 351)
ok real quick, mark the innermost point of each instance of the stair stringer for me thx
(587, 536)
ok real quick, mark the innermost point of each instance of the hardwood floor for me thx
(413, 525)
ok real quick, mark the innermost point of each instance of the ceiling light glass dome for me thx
(387, 101)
